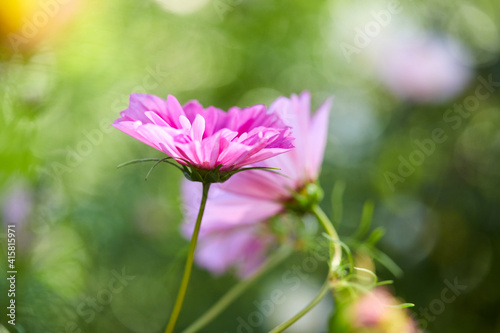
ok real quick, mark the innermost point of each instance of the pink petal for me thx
(140, 103)
(198, 128)
(205, 137)
(174, 112)
(317, 140)
(224, 209)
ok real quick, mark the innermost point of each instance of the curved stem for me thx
(330, 230)
(315, 301)
(336, 261)
(237, 290)
(189, 262)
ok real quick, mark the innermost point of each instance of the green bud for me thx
(305, 198)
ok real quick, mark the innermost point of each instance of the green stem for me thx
(330, 230)
(237, 290)
(336, 260)
(309, 307)
(189, 263)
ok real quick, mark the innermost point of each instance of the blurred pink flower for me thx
(234, 230)
(423, 68)
(17, 204)
(205, 137)
(378, 311)
(371, 308)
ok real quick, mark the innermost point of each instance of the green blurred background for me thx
(67, 68)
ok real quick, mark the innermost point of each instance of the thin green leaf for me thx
(138, 161)
(259, 168)
(158, 162)
(375, 236)
(366, 220)
(403, 305)
(337, 205)
(175, 165)
(385, 283)
(262, 168)
(358, 286)
(386, 261)
(373, 275)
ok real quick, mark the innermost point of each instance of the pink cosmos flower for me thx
(234, 232)
(423, 68)
(205, 137)
(378, 311)
(371, 308)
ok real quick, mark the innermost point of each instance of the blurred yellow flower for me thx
(23, 23)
